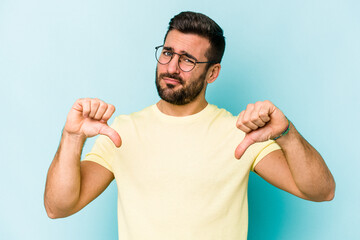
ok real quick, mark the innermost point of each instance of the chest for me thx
(185, 158)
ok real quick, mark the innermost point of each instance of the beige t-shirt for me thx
(177, 177)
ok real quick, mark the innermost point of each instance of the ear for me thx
(213, 73)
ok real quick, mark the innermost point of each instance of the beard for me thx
(185, 94)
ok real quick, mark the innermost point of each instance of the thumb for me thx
(241, 148)
(112, 134)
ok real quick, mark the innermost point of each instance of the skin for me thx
(298, 168)
(196, 46)
(72, 184)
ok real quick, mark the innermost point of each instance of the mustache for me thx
(173, 76)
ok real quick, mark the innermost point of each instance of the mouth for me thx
(171, 81)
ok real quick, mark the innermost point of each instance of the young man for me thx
(176, 162)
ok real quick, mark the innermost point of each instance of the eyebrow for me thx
(182, 53)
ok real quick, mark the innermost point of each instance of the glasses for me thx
(186, 62)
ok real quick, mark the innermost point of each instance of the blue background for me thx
(302, 55)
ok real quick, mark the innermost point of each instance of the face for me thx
(174, 85)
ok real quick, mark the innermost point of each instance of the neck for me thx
(182, 110)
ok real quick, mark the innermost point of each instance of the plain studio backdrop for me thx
(302, 55)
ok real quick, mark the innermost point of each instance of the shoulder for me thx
(125, 120)
(134, 115)
(223, 123)
(222, 115)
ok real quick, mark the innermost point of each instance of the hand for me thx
(260, 121)
(88, 117)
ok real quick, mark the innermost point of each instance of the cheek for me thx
(195, 76)
(161, 68)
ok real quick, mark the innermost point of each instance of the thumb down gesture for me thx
(88, 117)
(260, 122)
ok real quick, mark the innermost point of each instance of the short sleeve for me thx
(103, 150)
(262, 150)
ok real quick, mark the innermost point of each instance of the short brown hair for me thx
(202, 25)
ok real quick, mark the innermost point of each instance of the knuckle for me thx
(245, 120)
(103, 106)
(263, 114)
(254, 118)
(95, 103)
(268, 102)
(250, 106)
(111, 107)
(86, 99)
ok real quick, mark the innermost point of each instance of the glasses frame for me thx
(180, 55)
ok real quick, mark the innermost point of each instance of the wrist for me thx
(291, 138)
(285, 132)
(73, 137)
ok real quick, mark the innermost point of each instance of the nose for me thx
(173, 65)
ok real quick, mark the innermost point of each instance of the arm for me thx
(70, 184)
(298, 168)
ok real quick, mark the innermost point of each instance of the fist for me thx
(260, 121)
(88, 117)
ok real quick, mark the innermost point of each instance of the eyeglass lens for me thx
(164, 56)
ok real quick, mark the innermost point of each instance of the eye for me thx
(187, 60)
(167, 53)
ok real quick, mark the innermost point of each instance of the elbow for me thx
(331, 192)
(325, 196)
(50, 213)
(53, 213)
(320, 198)
(330, 196)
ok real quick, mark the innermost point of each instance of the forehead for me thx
(187, 43)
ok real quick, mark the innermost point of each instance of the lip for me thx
(171, 81)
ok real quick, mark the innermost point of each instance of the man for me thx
(175, 162)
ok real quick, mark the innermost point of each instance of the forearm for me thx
(63, 182)
(309, 171)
